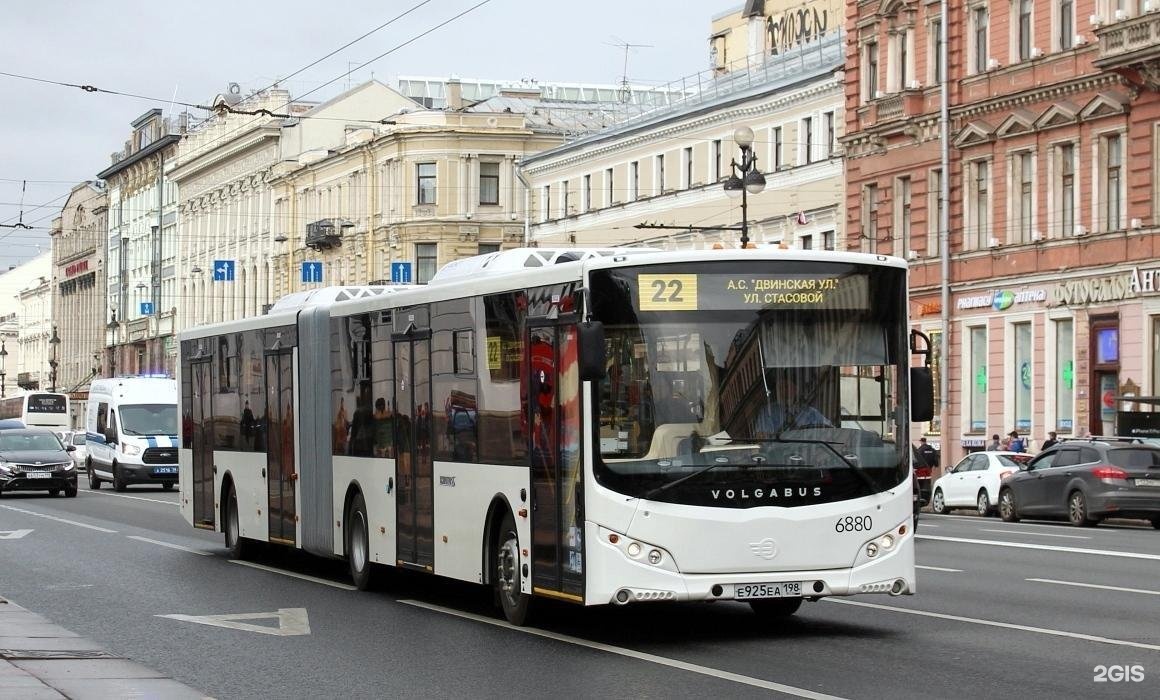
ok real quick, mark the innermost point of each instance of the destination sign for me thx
(718, 292)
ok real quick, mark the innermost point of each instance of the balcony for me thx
(326, 233)
(1132, 46)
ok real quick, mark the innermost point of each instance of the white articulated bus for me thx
(38, 409)
(599, 427)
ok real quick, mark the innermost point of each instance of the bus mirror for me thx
(921, 394)
(591, 351)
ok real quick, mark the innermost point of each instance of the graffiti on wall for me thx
(796, 26)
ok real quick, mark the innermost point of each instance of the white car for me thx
(974, 482)
(78, 440)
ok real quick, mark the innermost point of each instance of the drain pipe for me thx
(528, 200)
(944, 238)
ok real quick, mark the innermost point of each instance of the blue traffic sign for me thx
(400, 273)
(311, 271)
(146, 308)
(223, 270)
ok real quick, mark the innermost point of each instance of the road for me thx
(1023, 610)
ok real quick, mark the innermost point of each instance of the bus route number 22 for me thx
(667, 292)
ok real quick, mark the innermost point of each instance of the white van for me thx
(131, 431)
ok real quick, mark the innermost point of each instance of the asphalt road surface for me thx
(1033, 609)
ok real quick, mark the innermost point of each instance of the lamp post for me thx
(3, 360)
(745, 179)
(54, 341)
(113, 326)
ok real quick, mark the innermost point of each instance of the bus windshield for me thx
(763, 383)
(149, 419)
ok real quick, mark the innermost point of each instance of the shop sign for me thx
(77, 268)
(973, 442)
(1143, 281)
(1002, 299)
(1093, 290)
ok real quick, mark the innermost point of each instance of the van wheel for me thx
(94, 482)
(118, 480)
(358, 549)
(508, 577)
(239, 546)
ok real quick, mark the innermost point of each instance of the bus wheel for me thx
(358, 546)
(508, 578)
(94, 482)
(239, 547)
(775, 608)
(118, 480)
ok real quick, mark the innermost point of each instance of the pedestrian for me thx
(1050, 440)
(994, 446)
(927, 453)
(1017, 443)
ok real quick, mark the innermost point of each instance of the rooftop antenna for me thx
(350, 66)
(625, 90)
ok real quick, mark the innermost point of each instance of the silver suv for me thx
(1087, 480)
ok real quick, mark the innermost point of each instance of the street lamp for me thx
(54, 341)
(3, 360)
(745, 179)
(113, 326)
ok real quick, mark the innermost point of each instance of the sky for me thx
(53, 137)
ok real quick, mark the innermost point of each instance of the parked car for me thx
(77, 439)
(34, 459)
(1087, 480)
(975, 481)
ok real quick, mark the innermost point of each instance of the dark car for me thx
(1087, 481)
(10, 423)
(33, 459)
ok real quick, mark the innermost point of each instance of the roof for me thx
(553, 115)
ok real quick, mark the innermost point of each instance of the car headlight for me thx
(5, 468)
(130, 450)
(68, 466)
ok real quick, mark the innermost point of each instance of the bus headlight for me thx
(639, 552)
(884, 543)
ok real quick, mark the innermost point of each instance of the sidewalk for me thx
(41, 660)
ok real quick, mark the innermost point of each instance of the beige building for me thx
(656, 179)
(79, 290)
(25, 326)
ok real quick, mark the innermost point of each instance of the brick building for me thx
(1054, 126)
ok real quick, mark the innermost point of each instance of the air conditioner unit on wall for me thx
(1079, 230)
(1036, 236)
(1121, 15)
(1036, 52)
(994, 242)
(915, 85)
(1096, 21)
(993, 64)
(1079, 40)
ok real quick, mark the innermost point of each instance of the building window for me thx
(807, 139)
(902, 216)
(1065, 36)
(546, 204)
(807, 243)
(489, 183)
(634, 180)
(1023, 374)
(1023, 28)
(778, 145)
(935, 207)
(827, 240)
(659, 172)
(426, 260)
(870, 60)
(1023, 172)
(870, 217)
(980, 18)
(565, 199)
(586, 193)
(977, 378)
(485, 248)
(936, 59)
(1112, 184)
(1065, 189)
(979, 210)
(900, 50)
(1064, 376)
(608, 197)
(831, 135)
(715, 175)
(426, 182)
(687, 175)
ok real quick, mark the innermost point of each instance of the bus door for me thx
(554, 415)
(414, 468)
(198, 431)
(280, 474)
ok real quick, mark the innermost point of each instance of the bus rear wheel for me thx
(238, 546)
(508, 576)
(775, 608)
(358, 544)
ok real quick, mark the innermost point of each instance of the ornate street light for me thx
(745, 179)
(54, 341)
(3, 360)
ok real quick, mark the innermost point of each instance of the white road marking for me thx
(1045, 547)
(938, 568)
(1094, 585)
(291, 621)
(132, 498)
(59, 520)
(291, 574)
(1004, 625)
(925, 524)
(13, 534)
(1060, 524)
(1036, 534)
(632, 654)
(169, 544)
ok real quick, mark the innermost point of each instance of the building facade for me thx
(141, 249)
(79, 290)
(656, 179)
(1051, 168)
(25, 326)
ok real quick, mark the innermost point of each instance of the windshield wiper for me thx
(668, 485)
(851, 463)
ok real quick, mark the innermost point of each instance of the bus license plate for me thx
(38, 475)
(749, 591)
(164, 470)
(1147, 482)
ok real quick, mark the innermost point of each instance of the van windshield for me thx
(149, 419)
